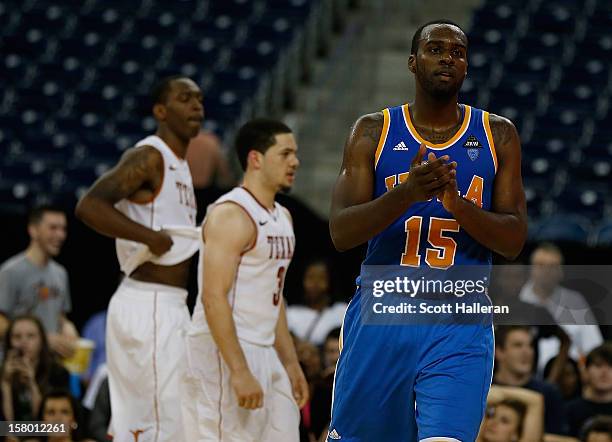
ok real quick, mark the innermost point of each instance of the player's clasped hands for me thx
(428, 179)
(160, 243)
(248, 390)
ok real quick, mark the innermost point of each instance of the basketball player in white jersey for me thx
(242, 365)
(149, 190)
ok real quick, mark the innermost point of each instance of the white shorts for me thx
(145, 348)
(212, 412)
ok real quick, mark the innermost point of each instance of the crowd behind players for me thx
(551, 383)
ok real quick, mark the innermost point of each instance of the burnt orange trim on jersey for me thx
(454, 138)
(155, 380)
(487, 125)
(158, 190)
(383, 136)
(257, 201)
(250, 217)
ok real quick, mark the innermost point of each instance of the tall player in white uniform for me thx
(243, 367)
(149, 190)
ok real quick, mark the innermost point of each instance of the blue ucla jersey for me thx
(426, 234)
(429, 379)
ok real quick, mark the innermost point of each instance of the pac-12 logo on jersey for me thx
(472, 145)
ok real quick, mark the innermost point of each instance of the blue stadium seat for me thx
(603, 234)
(81, 47)
(164, 27)
(583, 200)
(13, 68)
(553, 17)
(594, 172)
(107, 23)
(563, 227)
(498, 15)
(68, 73)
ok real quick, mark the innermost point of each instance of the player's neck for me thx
(175, 143)
(36, 255)
(506, 377)
(430, 111)
(262, 193)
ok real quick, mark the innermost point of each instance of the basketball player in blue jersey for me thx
(426, 382)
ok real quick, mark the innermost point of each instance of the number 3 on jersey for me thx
(442, 254)
(279, 291)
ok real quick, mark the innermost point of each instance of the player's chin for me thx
(285, 188)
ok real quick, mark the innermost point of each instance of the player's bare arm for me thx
(288, 357)
(228, 232)
(504, 228)
(137, 176)
(355, 218)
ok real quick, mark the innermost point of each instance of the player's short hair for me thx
(550, 248)
(160, 90)
(258, 134)
(603, 353)
(38, 212)
(503, 331)
(597, 424)
(417, 34)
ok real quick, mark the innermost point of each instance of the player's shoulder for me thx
(504, 132)
(498, 121)
(369, 125)
(143, 154)
(364, 137)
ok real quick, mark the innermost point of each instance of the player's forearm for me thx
(505, 234)
(283, 342)
(354, 225)
(105, 219)
(221, 323)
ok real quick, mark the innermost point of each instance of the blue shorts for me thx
(408, 383)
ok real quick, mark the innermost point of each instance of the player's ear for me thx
(159, 111)
(254, 158)
(412, 63)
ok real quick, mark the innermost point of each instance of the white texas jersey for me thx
(173, 206)
(258, 288)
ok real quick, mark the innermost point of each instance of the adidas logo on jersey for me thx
(333, 434)
(400, 146)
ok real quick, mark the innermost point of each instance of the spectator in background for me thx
(95, 330)
(597, 396)
(514, 359)
(29, 370)
(513, 415)
(59, 407)
(100, 414)
(598, 429)
(4, 325)
(314, 320)
(568, 307)
(322, 389)
(210, 170)
(32, 282)
(565, 374)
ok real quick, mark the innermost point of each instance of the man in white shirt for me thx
(569, 308)
(318, 316)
